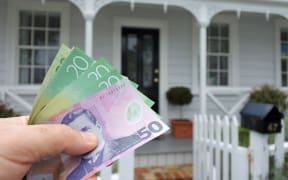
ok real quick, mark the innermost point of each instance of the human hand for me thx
(22, 144)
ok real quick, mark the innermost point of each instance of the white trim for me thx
(119, 22)
(12, 28)
(195, 56)
(278, 25)
(233, 46)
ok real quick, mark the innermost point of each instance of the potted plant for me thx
(180, 96)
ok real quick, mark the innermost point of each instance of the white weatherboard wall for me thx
(77, 28)
(256, 42)
(179, 37)
(256, 50)
(2, 41)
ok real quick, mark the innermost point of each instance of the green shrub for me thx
(179, 96)
(270, 95)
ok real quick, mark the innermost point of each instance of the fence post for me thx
(279, 148)
(126, 166)
(106, 173)
(260, 156)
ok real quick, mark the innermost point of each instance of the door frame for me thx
(162, 26)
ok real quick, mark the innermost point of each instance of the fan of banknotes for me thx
(90, 95)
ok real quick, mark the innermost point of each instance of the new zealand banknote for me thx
(62, 73)
(70, 66)
(120, 119)
(61, 55)
(99, 76)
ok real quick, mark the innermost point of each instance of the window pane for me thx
(39, 74)
(54, 20)
(284, 49)
(284, 35)
(284, 65)
(212, 78)
(284, 79)
(25, 57)
(53, 38)
(39, 57)
(213, 45)
(24, 37)
(147, 57)
(51, 56)
(39, 37)
(224, 46)
(25, 19)
(132, 43)
(40, 33)
(223, 78)
(212, 62)
(224, 28)
(213, 30)
(39, 19)
(223, 62)
(24, 75)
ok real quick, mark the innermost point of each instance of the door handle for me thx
(155, 80)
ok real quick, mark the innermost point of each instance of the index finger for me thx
(21, 120)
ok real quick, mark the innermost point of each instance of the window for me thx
(218, 54)
(284, 56)
(38, 43)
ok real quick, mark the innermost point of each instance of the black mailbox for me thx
(260, 117)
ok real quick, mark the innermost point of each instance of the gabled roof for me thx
(260, 110)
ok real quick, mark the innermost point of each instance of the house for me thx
(220, 49)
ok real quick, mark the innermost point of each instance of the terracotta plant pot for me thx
(182, 128)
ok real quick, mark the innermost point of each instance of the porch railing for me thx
(242, 92)
(15, 95)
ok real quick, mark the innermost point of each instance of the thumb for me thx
(39, 141)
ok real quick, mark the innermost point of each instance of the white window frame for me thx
(14, 7)
(233, 64)
(279, 24)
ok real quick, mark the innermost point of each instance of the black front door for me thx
(140, 60)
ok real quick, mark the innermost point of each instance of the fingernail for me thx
(89, 137)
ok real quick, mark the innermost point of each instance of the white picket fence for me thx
(217, 154)
(125, 169)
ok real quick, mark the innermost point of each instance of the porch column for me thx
(89, 9)
(203, 69)
(89, 19)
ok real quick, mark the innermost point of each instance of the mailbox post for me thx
(261, 119)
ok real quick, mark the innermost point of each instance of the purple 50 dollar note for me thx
(121, 121)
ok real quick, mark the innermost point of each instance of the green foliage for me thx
(179, 95)
(243, 137)
(278, 173)
(6, 112)
(271, 95)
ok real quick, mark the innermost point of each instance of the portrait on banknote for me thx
(83, 120)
